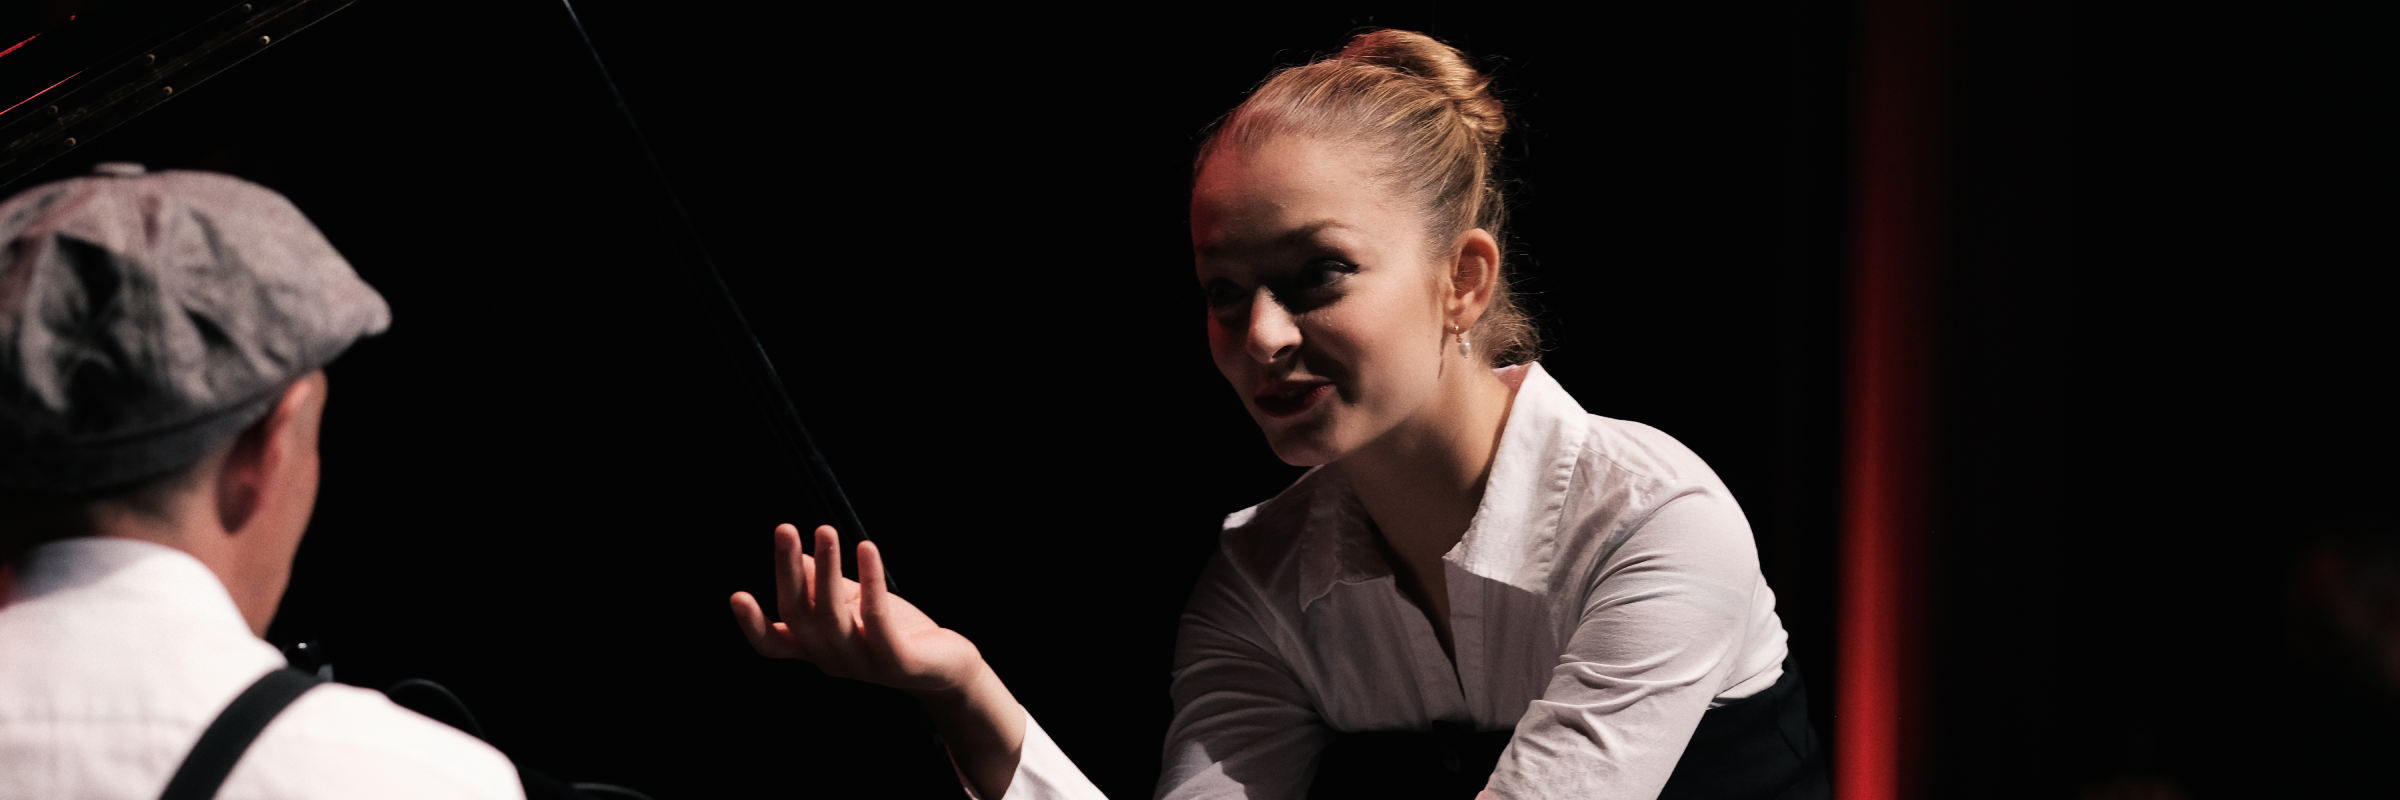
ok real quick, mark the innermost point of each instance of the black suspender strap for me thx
(222, 745)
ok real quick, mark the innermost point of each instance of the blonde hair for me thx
(1417, 101)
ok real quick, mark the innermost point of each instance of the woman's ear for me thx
(1474, 276)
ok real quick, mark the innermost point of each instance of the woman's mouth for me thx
(1288, 398)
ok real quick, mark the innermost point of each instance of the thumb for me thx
(769, 639)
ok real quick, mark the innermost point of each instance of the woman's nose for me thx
(1273, 334)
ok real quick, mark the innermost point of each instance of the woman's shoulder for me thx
(1643, 454)
(1280, 556)
(1250, 583)
(1263, 543)
(1628, 475)
(1613, 475)
(1625, 465)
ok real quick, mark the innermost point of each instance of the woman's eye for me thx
(1221, 293)
(1315, 286)
(1323, 271)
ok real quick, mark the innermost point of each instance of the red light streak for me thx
(13, 48)
(45, 90)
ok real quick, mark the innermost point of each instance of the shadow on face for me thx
(1325, 312)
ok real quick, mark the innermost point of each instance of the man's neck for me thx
(210, 545)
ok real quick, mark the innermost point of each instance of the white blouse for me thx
(1605, 596)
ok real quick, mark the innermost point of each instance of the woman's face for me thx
(1325, 312)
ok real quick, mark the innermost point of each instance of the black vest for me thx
(1760, 747)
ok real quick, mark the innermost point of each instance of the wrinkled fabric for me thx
(115, 654)
(1606, 595)
(1043, 772)
(147, 318)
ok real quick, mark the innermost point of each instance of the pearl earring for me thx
(1463, 350)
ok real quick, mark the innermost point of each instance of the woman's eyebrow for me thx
(1308, 233)
(1298, 235)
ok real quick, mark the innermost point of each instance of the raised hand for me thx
(853, 629)
(859, 629)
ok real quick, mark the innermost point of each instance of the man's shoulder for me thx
(335, 741)
(340, 740)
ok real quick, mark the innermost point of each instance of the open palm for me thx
(852, 629)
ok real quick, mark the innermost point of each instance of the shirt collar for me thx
(1512, 535)
(122, 568)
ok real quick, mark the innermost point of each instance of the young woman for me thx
(1473, 551)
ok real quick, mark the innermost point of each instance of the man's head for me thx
(162, 344)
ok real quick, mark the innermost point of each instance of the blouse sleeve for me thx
(1244, 727)
(1665, 618)
(1043, 772)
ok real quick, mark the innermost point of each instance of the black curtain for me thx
(962, 237)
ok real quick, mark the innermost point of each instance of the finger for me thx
(807, 626)
(763, 637)
(828, 573)
(873, 596)
(843, 606)
(791, 573)
(880, 611)
(786, 584)
(806, 603)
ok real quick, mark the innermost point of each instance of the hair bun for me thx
(1422, 56)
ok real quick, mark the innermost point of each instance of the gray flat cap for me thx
(146, 319)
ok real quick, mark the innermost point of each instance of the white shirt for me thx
(1606, 595)
(115, 654)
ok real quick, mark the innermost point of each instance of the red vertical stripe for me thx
(1878, 719)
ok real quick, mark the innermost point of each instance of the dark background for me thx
(2162, 342)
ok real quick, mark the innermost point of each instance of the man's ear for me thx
(1474, 275)
(256, 455)
(242, 479)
